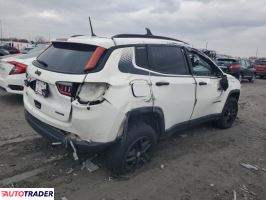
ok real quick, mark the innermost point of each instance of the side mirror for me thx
(196, 63)
(224, 83)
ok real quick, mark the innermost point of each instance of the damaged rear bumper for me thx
(59, 136)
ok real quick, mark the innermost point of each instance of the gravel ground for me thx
(200, 163)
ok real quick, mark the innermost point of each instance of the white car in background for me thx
(13, 70)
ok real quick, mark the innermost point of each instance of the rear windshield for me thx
(69, 58)
(227, 62)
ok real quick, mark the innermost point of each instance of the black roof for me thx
(147, 35)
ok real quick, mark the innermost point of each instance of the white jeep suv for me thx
(122, 94)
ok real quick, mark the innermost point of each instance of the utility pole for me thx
(207, 45)
(257, 52)
(1, 31)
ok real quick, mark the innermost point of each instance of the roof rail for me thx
(76, 35)
(147, 35)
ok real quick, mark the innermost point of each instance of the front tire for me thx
(229, 114)
(252, 79)
(132, 151)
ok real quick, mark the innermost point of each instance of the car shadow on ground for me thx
(11, 99)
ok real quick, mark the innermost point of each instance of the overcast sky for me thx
(235, 27)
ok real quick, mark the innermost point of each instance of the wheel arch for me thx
(153, 116)
(234, 93)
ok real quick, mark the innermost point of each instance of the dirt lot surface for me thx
(201, 163)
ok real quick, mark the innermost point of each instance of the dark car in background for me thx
(210, 53)
(239, 68)
(260, 66)
(11, 50)
(3, 52)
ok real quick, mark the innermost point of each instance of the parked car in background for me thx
(239, 68)
(3, 52)
(211, 53)
(26, 50)
(12, 70)
(11, 50)
(260, 66)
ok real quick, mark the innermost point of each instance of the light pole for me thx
(257, 52)
(1, 31)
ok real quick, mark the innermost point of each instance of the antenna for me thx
(92, 33)
(148, 31)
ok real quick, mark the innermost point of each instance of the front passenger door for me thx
(208, 95)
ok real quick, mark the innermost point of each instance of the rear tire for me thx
(229, 114)
(261, 76)
(132, 151)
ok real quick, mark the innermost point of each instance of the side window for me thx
(200, 67)
(168, 60)
(246, 64)
(141, 57)
(243, 63)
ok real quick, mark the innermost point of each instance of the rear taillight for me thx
(94, 59)
(234, 67)
(18, 68)
(92, 93)
(67, 88)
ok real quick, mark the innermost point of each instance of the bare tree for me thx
(39, 39)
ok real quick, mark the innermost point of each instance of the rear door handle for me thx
(202, 83)
(162, 83)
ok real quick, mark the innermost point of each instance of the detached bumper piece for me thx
(59, 136)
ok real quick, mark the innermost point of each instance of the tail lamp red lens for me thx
(65, 88)
(234, 67)
(18, 68)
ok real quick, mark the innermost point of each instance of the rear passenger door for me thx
(173, 86)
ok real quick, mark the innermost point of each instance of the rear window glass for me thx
(227, 62)
(141, 57)
(70, 58)
(168, 60)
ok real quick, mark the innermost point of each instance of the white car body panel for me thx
(176, 99)
(97, 41)
(209, 97)
(104, 113)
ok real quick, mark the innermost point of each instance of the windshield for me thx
(227, 62)
(34, 52)
(70, 58)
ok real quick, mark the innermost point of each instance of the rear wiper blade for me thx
(42, 63)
